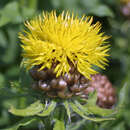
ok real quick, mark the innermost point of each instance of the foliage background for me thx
(13, 13)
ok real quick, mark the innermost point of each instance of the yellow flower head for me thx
(63, 39)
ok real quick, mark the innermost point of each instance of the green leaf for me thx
(90, 3)
(23, 122)
(123, 95)
(66, 104)
(56, 3)
(4, 118)
(9, 55)
(59, 125)
(10, 13)
(59, 118)
(100, 111)
(7, 93)
(120, 126)
(2, 80)
(97, 8)
(126, 116)
(33, 109)
(102, 10)
(83, 108)
(82, 114)
(48, 110)
(93, 108)
(27, 12)
(122, 100)
(92, 99)
(33, 4)
(3, 39)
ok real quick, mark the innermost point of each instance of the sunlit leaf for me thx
(82, 114)
(92, 99)
(99, 111)
(59, 125)
(67, 107)
(31, 110)
(83, 108)
(48, 110)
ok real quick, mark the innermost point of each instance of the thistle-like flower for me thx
(64, 46)
(64, 40)
(60, 52)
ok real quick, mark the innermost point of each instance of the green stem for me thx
(60, 119)
(47, 123)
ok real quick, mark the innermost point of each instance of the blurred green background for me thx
(115, 23)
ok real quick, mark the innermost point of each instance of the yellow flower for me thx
(63, 39)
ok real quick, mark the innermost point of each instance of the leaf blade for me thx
(23, 122)
(50, 108)
(82, 114)
(92, 107)
(59, 125)
(66, 104)
(31, 110)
